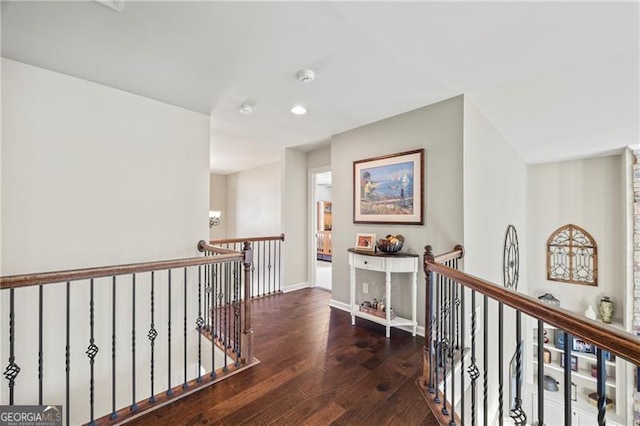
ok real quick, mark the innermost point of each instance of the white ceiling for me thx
(559, 80)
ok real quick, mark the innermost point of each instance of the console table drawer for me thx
(403, 264)
(369, 262)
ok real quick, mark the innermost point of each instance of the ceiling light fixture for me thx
(299, 110)
(306, 76)
(245, 109)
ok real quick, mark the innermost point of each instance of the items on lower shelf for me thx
(374, 309)
(583, 362)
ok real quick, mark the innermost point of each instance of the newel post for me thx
(428, 308)
(247, 331)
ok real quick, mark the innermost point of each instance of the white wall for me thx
(495, 196)
(254, 202)
(295, 220)
(86, 164)
(588, 193)
(218, 201)
(320, 157)
(438, 129)
(93, 176)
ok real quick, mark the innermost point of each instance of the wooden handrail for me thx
(203, 246)
(609, 338)
(456, 253)
(25, 280)
(250, 239)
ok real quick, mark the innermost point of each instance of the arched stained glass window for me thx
(572, 256)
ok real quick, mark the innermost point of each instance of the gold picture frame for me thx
(389, 189)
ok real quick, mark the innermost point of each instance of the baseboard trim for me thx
(294, 287)
(408, 328)
(340, 305)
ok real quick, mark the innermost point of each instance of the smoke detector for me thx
(306, 76)
(245, 109)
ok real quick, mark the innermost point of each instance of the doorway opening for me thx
(321, 227)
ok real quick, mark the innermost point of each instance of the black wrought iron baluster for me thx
(169, 389)
(254, 288)
(445, 314)
(225, 308)
(213, 290)
(541, 372)
(444, 343)
(199, 324)
(462, 342)
(236, 312)
(278, 265)
(518, 414)
(452, 348)
(134, 404)
(438, 342)
(114, 412)
(40, 346)
(474, 373)
(67, 353)
(601, 386)
(485, 349)
(567, 378)
(269, 266)
(222, 305)
(264, 269)
(431, 300)
(91, 352)
(500, 363)
(208, 302)
(185, 385)
(215, 300)
(12, 370)
(153, 333)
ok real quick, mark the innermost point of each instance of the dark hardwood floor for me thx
(315, 369)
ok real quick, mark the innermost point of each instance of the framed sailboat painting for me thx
(389, 189)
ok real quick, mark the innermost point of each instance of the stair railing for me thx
(144, 324)
(454, 341)
(266, 269)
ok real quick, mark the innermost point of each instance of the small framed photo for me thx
(582, 346)
(574, 362)
(574, 392)
(366, 242)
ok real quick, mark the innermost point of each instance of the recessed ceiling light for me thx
(299, 110)
(245, 109)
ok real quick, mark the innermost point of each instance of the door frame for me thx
(313, 220)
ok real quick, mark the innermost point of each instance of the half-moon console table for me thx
(387, 263)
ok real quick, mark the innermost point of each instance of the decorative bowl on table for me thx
(391, 243)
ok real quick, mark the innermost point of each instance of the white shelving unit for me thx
(583, 411)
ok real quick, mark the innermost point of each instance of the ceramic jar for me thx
(605, 309)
